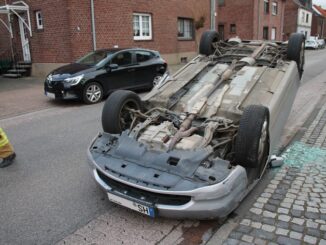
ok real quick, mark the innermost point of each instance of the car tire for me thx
(115, 117)
(92, 93)
(295, 50)
(252, 141)
(207, 40)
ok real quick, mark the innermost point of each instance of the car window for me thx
(143, 56)
(93, 58)
(122, 59)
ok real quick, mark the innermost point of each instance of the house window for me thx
(39, 20)
(221, 2)
(307, 18)
(185, 28)
(273, 34)
(274, 8)
(266, 6)
(302, 17)
(265, 33)
(142, 25)
(233, 28)
(221, 31)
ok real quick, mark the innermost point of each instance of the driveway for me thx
(18, 96)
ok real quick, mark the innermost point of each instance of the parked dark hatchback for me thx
(100, 72)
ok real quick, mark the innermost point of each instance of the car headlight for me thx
(74, 80)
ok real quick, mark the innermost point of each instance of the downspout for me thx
(213, 12)
(258, 22)
(93, 25)
(282, 21)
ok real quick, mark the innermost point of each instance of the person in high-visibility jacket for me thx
(7, 153)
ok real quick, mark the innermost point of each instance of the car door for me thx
(146, 68)
(120, 72)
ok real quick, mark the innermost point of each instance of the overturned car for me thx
(196, 144)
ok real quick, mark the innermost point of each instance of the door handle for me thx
(131, 70)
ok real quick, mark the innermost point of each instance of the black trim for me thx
(144, 196)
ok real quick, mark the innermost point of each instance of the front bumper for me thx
(196, 204)
(62, 91)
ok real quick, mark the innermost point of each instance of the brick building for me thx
(62, 30)
(298, 17)
(251, 19)
(318, 26)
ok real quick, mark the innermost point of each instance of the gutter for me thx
(93, 25)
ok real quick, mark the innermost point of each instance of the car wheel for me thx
(115, 114)
(295, 51)
(93, 93)
(252, 141)
(207, 40)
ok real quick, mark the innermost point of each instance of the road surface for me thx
(49, 193)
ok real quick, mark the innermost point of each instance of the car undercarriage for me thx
(206, 133)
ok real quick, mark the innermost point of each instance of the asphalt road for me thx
(49, 193)
(315, 64)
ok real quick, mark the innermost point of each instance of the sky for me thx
(320, 2)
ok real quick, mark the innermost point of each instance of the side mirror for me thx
(111, 67)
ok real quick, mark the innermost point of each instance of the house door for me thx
(221, 31)
(24, 40)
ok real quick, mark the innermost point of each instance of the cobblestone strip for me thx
(316, 133)
(291, 210)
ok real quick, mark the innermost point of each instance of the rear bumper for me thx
(215, 201)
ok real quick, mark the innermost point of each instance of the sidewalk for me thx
(292, 209)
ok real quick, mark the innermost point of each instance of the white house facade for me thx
(304, 22)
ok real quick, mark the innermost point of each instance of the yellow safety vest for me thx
(3, 138)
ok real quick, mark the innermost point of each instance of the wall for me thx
(269, 20)
(317, 25)
(295, 18)
(52, 44)
(304, 22)
(250, 18)
(236, 12)
(304, 30)
(67, 33)
(304, 18)
(290, 18)
(114, 25)
(4, 39)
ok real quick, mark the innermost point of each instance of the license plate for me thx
(132, 205)
(50, 95)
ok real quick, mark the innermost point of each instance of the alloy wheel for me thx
(262, 141)
(93, 93)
